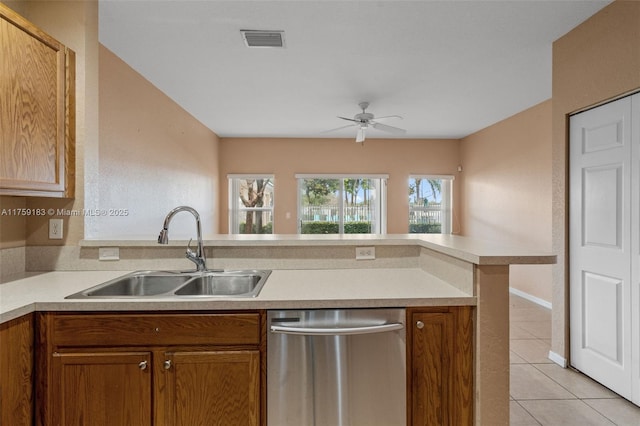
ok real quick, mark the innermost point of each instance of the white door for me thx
(603, 231)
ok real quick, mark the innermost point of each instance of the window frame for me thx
(235, 207)
(381, 200)
(446, 209)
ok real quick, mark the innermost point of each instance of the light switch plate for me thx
(55, 229)
(365, 253)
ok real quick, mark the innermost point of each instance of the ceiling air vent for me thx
(259, 38)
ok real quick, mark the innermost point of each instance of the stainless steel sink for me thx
(235, 284)
(141, 283)
(158, 284)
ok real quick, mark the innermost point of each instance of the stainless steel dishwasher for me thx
(344, 367)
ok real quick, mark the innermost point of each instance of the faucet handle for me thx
(163, 238)
(190, 253)
(197, 258)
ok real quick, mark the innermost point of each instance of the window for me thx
(341, 204)
(430, 201)
(250, 204)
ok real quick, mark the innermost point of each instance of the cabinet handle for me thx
(420, 325)
(167, 364)
(143, 365)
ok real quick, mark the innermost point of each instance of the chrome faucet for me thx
(198, 257)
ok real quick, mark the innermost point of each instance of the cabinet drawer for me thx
(155, 329)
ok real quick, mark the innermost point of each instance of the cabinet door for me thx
(102, 389)
(441, 367)
(213, 388)
(37, 112)
(431, 352)
(16, 372)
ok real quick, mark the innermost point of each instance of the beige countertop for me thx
(285, 289)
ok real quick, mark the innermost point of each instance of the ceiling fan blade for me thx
(349, 119)
(360, 135)
(339, 128)
(389, 129)
(390, 116)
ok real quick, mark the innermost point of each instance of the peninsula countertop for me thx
(285, 289)
(472, 250)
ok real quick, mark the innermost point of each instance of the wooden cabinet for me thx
(151, 369)
(102, 388)
(207, 368)
(37, 111)
(440, 366)
(16, 371)
(213, 388)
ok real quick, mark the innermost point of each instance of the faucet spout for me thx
(198, 257)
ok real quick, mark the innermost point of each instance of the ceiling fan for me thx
(365, 120)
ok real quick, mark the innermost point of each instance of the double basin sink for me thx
(158, 284)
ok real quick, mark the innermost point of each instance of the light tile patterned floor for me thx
(543, 393)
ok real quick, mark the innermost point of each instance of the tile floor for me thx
(543, 393)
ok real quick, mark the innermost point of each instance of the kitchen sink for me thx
(139, 284)
(224, 284)
(158, 284)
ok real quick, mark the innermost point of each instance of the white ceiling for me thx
(449, 68)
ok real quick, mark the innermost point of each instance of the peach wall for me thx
(596, 61)
(506, 188)
(285, 157)
(154, 156)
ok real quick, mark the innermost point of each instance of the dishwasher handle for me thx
(343, 331)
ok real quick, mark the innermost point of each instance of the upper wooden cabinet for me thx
(37, 111)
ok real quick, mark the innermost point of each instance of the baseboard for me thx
(530, 298)
(561, 361)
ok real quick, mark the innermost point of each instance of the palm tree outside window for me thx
(430, 204)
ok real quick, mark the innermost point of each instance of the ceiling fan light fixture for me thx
(364, 120)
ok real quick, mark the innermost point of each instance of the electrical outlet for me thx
(109, 253)
(55, 229)
(365, 253)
